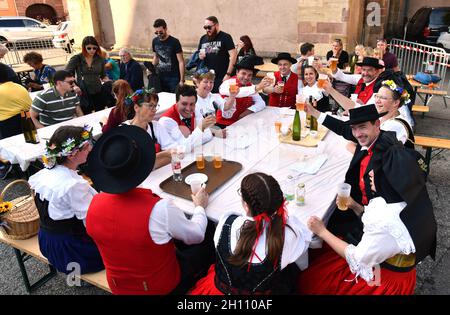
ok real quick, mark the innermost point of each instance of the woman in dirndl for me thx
(62, 197)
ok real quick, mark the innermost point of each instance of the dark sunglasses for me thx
(70, 82)
(159, 33)
(91, 48)
(208, 27)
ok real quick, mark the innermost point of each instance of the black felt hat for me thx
(362, 114)
(121, 159)
(249, 62)
(284, 56)
(371, 62)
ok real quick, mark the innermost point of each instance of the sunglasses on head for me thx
(208, 27)
(91, 48)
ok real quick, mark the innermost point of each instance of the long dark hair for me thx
(263, 194)
(247, 43)
(90, 40)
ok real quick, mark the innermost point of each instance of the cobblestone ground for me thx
(432, 276)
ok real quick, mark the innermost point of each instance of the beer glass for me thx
(233, 85)
(217, 160)
(200, 159)
(343, 196)
(333, 64)
(300, 102)
(277, 126)
(321, 81)
(281, 84)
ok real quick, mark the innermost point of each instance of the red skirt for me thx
(328, 271)
(206, 286)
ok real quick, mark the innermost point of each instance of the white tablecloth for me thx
(17, 151)
(266, 154)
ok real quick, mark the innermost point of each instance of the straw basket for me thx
(22, 221)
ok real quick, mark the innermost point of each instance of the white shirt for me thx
(196, 138)
(161, 134)
(245, 91)
(313, 91)
(388, 125)
(295, 244)
(167, 221)
(385, 235)
(67, 193)
(205, 105)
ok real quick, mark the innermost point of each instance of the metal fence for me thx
(43, 45)
(414, 57)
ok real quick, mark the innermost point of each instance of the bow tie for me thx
(187, 122)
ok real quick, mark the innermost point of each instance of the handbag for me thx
(22, 220)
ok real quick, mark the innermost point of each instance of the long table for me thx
(266, 154)
(17, 151)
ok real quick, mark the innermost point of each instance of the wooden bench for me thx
(25, 249)
(429, 143)
(421, 109)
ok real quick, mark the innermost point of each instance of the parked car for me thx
(20, 27)
(444, 40)
(63, 36)
(427, 24)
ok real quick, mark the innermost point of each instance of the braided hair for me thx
(263, 194)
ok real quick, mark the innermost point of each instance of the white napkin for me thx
(311, 165)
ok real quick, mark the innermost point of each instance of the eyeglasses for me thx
(208, 27)
(151, 107)
(384, 98)
(91, 48)
(159, 33)
(71, 82)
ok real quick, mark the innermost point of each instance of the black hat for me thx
(371, 62)
(121, 159)
(249, 62)
(284, 56)
(362, 114)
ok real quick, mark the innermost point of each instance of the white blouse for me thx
(313, 91)
(161, 134)
(296, 241)
(385, 235)
(397, 127)
(205, 105)
(67, 193)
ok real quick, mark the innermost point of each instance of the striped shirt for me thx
(53, 108)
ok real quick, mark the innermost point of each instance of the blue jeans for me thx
(169, 83)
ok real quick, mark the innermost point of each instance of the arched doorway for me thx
(41, 12)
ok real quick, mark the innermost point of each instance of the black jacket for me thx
(398, 177)
(133, 74)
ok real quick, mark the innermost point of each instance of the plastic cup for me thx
(321, 81)
(354, 97)
(310, 60)
(233, 85)
(217, 160)
(200, 160)
(343, 196)
(278, 125)
(300, 102)
(196, 185)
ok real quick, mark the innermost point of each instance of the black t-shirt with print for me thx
(167, 53)
(217, 56)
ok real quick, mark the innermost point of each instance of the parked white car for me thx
(20, 27)
(444, 39)
(63, 36)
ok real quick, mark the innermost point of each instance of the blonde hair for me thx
(368, 51)
(377, 53)
(361, 48)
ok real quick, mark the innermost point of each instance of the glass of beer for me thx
(271, 76)
(200, 159)
(300, 102)
(343, 196)
(321, 81)
(217, 160)
(278, 126)
(333, 64)
(233, 85)
(281, 84)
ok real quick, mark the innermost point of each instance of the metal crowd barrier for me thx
(43, 45)
(414, 57)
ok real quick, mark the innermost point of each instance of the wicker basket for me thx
(22, 221)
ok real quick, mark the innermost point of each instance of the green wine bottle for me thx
(353, 64)
(296, 127)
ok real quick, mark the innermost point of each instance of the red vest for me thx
(242, 104)
(119, 225)
(287, 98)
(173, 113)
(365, 95)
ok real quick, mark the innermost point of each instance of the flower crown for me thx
(404, 95)
(138, 96)
(68, 147)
